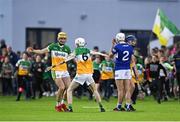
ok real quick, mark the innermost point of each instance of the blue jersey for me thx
(123, 53)
(177, 61)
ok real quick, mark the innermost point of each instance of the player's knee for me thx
(62, 88)
(95, 93)
(69, 90)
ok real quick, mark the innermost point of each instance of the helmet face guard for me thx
(80, 42)
(62, 37)
(120, 37)
(62, 41)
(131, 40)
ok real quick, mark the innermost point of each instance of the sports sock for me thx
(128, 105)
(100, 105)
(62, 101)
(19, 95)
(70, 106)
(119, 106)
(57, 103)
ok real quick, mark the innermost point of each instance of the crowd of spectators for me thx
(158, 74)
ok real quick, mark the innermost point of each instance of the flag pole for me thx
(151, 35)
(150, 38)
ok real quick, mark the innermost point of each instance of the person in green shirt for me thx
(23, 67)
(59, 52)
(107, 76)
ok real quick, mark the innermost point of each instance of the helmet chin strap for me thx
(83, 46)
(61, 44)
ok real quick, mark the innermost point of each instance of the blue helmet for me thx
(131, 39)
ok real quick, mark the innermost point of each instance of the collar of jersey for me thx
(61, 45)
(122, 42)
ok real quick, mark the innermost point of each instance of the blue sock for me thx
(119, 106)
(128, 105)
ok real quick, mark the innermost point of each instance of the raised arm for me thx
(112, 46)
(40, 51)
(98, 53)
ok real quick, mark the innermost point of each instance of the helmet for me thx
(62, 35)
(80, 42)
(120, 37)
(131, 39)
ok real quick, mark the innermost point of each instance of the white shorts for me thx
(123, 74)
(81, 79)
(60, 74)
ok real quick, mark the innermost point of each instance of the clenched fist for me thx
(113, 41)
(29, 49)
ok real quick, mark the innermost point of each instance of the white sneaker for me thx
(44, 93)
(52, 94)
(56, 93)
(48, 94)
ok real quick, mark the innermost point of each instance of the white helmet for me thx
(80, 42)
(120, 37)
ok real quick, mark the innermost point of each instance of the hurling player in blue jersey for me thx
(123, 53)
(131, 40)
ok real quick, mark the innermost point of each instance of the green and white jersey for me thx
(96, 65)
(59, 54)
(24, 67)
(107, 69)
(83, 59)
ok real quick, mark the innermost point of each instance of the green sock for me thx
(57, 103)
(70, 106)
(62, 101)
(100, 105)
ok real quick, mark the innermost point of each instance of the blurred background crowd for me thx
(164, 82)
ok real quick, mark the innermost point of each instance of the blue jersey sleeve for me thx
(114, 50)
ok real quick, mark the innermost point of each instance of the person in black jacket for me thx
(38, 68)
(177, 67)
(13, 58)
(154, 71)
(6, 74)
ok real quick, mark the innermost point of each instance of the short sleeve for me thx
(69, 50)
(18, 62)
(114, 50)
(50, 47)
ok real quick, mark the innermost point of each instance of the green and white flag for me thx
(164, 28)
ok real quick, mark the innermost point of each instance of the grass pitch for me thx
(85, 110)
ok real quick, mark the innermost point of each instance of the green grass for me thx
(43, 109)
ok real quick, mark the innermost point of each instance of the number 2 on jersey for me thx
(125, 56)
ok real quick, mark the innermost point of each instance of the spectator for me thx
(3, 44)
(6, 74)
(96, 73)
(38, 68)
(107, 76)
(12, 56)
(48, 83)
(23, 67)
(177, 67)
(155, 69)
